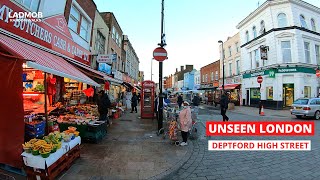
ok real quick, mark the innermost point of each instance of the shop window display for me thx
(255, 93)
(270, 93)
(307, 91)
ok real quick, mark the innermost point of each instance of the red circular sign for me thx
(318, 73)
(259, 79)
(160, 54)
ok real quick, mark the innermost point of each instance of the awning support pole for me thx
(45, 101)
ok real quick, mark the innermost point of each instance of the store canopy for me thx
(208, 88)
(108, 78)
(229, 86)
(44, 61)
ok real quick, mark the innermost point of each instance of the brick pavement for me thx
(247, 165)
(131, 150)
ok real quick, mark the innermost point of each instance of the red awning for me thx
(44, 61)
(229, 86)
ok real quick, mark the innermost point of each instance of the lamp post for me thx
(151, 68)
(222, 63)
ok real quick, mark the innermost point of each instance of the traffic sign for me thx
(318, 73)
(259, 79)
(160, 54)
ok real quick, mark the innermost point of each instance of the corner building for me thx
(291, 31)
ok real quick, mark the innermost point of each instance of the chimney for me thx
(189, 67)
(176, 70)
(182, 68)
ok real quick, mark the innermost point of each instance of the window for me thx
(303, 22)
(238, 67)
(84, 29)
(230, 68)
(237, 46)
(224, 66)
(262, 27)
(256, 57)
(74, 19)
(100, 43)
(79, 24)
(224, 54)
(254, 30)
(247, 36)
(229, 51)
(251, 61)
(117, 38)
(286, 51)
(206, 77)
(307, 52)
(217, 76)
(313, 25)
(113, 33)
(270, 93)
(282, 20)
(317, 49)
(202, 78)
(32, 5)
(212, 78)
(307, 91)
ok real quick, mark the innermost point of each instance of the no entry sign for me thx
(160, 54)
(259, 79)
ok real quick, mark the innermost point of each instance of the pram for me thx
(171, 125)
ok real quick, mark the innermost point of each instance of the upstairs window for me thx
(238, 67)
(286, 51)
(317, 48)
(237, 46)
(113, 35)
(32, 5)
(307, 52)
(254, 30)
(247, 36)
(313, 25)
(217, 76)
(282, 20)
(212, 78)
(79, 24)
(262, 27)
(303, 22)
(230, 53)
(100, 43)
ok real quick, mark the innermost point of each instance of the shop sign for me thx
(272, 73)
(148, 84)
(106, 58)
(118, 75)
(229, 81)
(103, 67)
(52, 32)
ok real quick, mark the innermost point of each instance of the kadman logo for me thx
(25, 16)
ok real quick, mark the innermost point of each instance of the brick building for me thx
(209, 75)
(168, 82)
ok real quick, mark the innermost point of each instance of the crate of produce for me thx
(35, 126)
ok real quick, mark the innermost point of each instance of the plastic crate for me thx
(36, 127)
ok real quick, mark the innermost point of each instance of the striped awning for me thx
(44, 61)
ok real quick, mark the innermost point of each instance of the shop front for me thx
(281, 86)
(209, 92)
(41, 81)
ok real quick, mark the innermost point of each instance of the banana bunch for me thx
(46, 148)
(38, 145)
(29, 145)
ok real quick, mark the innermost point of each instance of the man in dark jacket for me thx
(196, 100)
(180, 100)
(224, 101)
(134, 102)
(103, 105)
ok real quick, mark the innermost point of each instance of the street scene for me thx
(110, 89)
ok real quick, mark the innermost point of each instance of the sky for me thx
(192, 28)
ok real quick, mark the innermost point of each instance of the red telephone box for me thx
(147, 99)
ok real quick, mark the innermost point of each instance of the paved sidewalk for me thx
(268, 112)
(131, 150)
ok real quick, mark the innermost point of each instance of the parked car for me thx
(306, 107)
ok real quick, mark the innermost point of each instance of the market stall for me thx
(46, 158)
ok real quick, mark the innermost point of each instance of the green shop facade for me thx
(281, 86)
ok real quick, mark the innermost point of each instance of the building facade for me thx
(209, 75)
(179, 75)
(188, 81)
(114, 40)
(290, 30)
(232, 67)
(197, 80)
(131, 62)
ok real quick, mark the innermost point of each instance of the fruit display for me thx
(27, 146)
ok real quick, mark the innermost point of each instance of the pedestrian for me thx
(128, 100)
(139, 98)
(180, 100)
(185, 122)
(224, 101)
(134, 102)
(196, 103)
(103, 106)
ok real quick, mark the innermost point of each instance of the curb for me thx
(166, 174)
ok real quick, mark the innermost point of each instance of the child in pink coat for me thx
(185, 122)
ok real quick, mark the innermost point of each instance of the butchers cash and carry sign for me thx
(43, 33)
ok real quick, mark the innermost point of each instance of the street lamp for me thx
(222, 63)
(151, 68)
